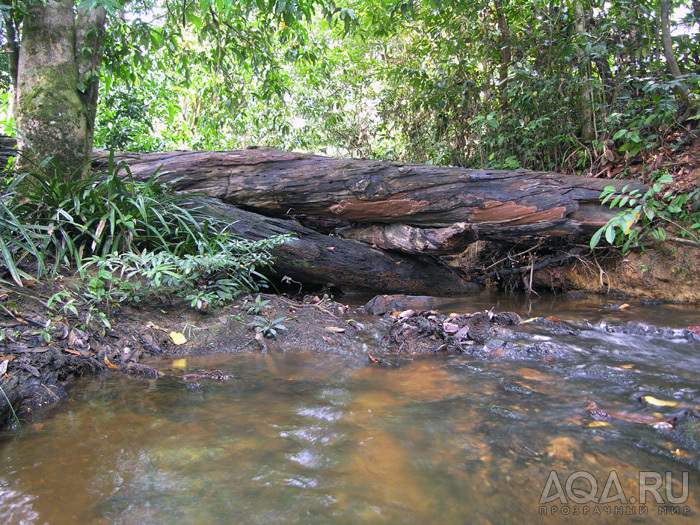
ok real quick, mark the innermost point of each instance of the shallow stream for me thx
(328, 438)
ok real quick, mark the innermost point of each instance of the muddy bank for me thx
(668, 272)
(43, 350)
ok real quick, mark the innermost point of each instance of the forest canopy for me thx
(534, 84)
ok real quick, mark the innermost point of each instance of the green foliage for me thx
(477, 84)
(268, 327)
(257, 305)
(222, 269)
(107, 212)
(19, 241)
(648, 213)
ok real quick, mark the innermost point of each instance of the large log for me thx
(510, 206)
(313, 258)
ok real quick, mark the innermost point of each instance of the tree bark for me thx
(670, 55)
(330, 193)
(585, 95)
(314, 258)
(55, 119)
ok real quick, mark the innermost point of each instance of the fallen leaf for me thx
(3, 367)
(694, 329)
(76, 352)
(659, 402)
(110, 365)
(335, 329)
(177, 338)
(596, 413)
(681, 453)
(7, 358)
(598, 424)
(374, 358)
(626, 367)
(331, 247)
(3, 296)
(180, 363)
(623, 306)
(328, 340)
(553, 319)
(149, 324)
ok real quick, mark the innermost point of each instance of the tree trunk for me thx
(506, 53)
(585, 95)
(314, 258)
(670, 55)
(328, 194)
(55, 119)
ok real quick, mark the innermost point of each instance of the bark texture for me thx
(314, 258)
(330, 193)
(54, 117)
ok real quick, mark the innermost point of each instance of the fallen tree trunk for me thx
(327, 193)
(313, 258)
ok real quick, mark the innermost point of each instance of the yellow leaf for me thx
(626, 367)
(110, 364)
(598, 424)
(660, 402)
(180, 363)
(629, 224)
(177, 338)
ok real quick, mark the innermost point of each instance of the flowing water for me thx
(310, 438)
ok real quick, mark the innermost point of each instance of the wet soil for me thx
(42, 350)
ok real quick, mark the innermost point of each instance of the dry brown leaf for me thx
(335, 329)
(110, 364)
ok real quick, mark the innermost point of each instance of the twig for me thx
(523, 269)
(509, 256)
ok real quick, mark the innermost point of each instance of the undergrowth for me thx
(127, 239)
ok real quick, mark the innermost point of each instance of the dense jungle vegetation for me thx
(534, 84)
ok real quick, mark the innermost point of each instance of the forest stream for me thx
(309, 437)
